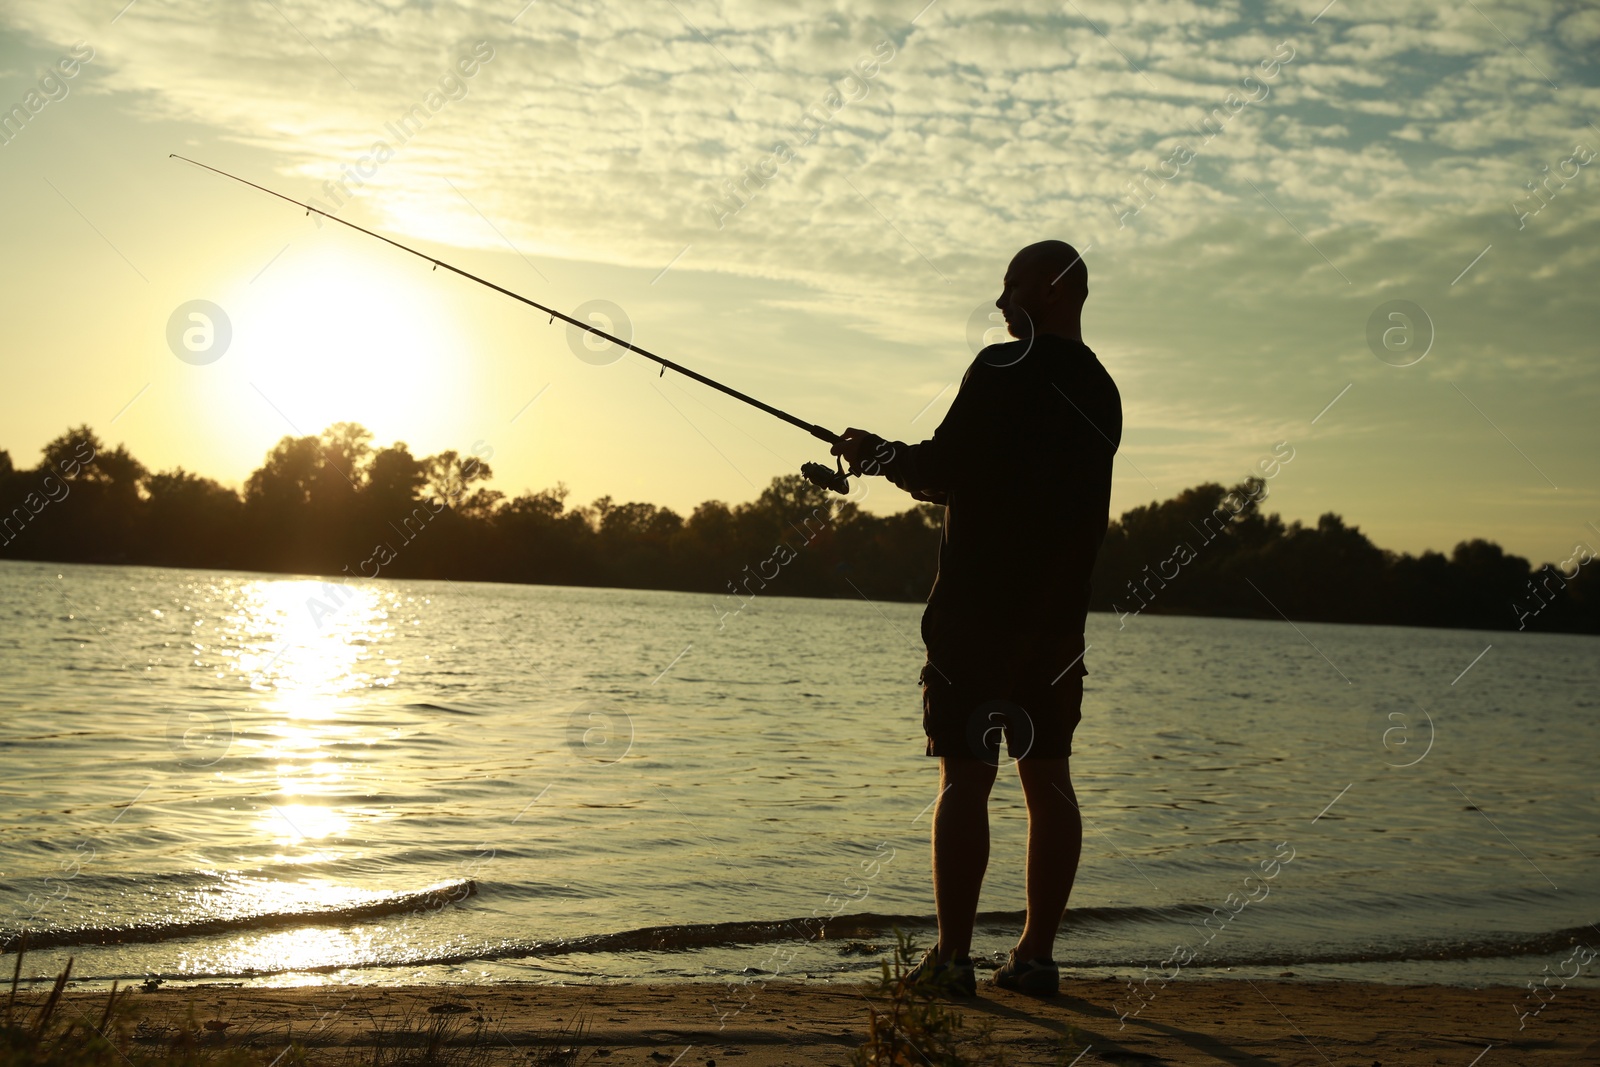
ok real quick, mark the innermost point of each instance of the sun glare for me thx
(333, 335)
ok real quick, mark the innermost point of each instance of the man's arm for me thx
(867, 453)
(930, 469)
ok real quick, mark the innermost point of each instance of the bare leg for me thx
(1055, 841)
(960, 850)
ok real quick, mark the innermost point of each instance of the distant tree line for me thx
(335, 505)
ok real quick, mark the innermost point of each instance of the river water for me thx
(214, 776)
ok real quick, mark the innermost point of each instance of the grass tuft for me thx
(912, 1028)
(56, 1034)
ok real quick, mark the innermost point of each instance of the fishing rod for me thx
(817, 474)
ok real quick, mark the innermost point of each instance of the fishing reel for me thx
(820, 476)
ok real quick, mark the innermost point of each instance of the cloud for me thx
(916, 157)
(607, 133)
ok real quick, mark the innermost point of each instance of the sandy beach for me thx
(1197, 1022)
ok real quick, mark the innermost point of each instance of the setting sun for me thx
(330, 335)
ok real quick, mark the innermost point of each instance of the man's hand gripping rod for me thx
(816, 473)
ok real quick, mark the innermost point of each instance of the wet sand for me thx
(1192, 1022)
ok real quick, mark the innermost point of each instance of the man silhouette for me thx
(1022, 464)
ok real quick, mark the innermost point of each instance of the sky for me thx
(1361, 233)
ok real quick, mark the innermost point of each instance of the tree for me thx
(322, 504)
(192, 521)
(395, 476)
(287, 477)
(73, 451)
(451, 475)
(345, 448)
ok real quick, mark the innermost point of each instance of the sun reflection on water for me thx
(308, 641)
(303, 949)
(306, 648)
(305, 822)
(346, 936)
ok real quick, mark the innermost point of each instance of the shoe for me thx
(1037, 978)
(955, 976)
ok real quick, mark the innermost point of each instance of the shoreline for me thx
(1201, 1021)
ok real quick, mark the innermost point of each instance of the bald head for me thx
(1044, 290)
(1055, 263)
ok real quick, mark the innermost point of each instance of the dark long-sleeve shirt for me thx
(1022, 463)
